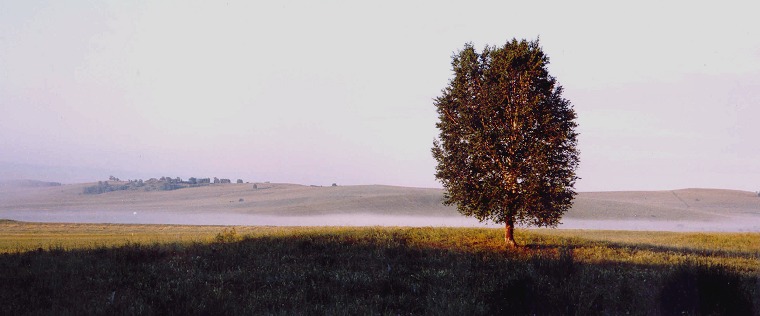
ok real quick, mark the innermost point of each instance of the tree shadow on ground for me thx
(364, 274)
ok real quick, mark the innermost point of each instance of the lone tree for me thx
(506, 150)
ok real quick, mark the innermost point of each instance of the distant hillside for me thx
(687, 204)
(28, 183)
(264, 199)
(299, 200)
(290, 204)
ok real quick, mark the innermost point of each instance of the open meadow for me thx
(167, 269)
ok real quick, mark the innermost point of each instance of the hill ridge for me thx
(293, 200)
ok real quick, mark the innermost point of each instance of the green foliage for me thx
(507, 145)
(162, 184)
(104, 186)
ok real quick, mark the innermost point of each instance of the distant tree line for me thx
(152, 184)
(103, 187)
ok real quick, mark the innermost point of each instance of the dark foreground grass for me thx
(441, 271)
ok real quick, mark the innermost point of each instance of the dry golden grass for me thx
(21, 237)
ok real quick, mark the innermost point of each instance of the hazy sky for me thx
(316, 92)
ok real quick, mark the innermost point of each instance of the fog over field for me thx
(300, 205)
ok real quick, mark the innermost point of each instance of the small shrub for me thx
(227, 236)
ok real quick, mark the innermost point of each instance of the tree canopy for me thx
(506, 151)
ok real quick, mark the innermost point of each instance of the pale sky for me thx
(316, 92)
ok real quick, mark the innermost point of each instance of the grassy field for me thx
(144, 269)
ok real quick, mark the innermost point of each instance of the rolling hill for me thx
(705, 206)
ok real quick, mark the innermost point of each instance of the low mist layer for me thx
(298, 205)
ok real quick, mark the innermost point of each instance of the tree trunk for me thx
(509, 236)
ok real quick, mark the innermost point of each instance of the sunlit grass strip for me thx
(21, 237)
(367, 270)
(740, 251)
(745, 242)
